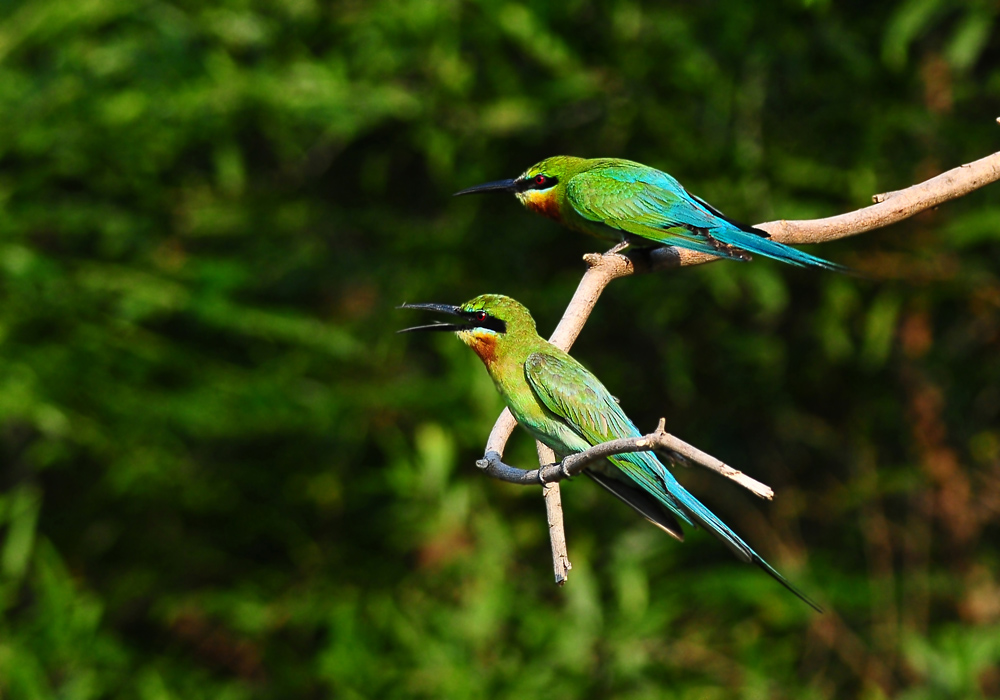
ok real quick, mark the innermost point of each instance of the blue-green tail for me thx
(708, 520)
(655, 478)
(757, 241)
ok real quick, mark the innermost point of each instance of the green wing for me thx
(649, 205)
(570, 391)
(584, 405)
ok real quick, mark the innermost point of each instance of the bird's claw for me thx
(618, 248)
(542, 468)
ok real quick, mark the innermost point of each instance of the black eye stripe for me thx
(536, 182)
(494, 324)
(481, 319)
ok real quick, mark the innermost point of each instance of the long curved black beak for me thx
(498, 186)
(437, 325)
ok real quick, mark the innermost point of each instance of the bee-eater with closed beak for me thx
(565, 407)
(633, 204)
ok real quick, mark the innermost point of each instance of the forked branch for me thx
(889, 208)
(659, 440)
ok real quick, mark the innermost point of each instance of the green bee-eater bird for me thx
(567, 408)
(633, 204)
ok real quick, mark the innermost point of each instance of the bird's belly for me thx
(598, 229)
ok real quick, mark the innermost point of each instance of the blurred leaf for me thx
(909, 21)
(971, 36)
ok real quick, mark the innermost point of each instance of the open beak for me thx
(498, 186)
(437, 325)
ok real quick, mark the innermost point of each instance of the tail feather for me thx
(641, 501)
(707, 519)
(754, 242)
(656, 479)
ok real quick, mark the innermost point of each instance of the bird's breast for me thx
(483, 344)
(543, 203)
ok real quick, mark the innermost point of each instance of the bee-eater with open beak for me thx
(633, 204)
(565, 407)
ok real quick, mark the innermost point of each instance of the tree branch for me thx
(554, 515)
(658, 440)
(889, 208)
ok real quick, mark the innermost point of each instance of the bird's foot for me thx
(728, 251)
(675, 458)
(617, 249)
(542, 468)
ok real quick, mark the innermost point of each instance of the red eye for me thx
(540, 179)
(481, 316)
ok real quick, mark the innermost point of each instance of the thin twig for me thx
(658, 440)
(902, 204)
(557, 533)
(554, 515)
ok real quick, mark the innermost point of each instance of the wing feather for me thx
(584, 405)
(649, 204)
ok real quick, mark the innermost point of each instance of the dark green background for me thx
(224, 476)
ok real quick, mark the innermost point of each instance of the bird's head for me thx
(539, 187)
(485, 323)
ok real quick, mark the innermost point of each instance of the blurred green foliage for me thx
(224, 476)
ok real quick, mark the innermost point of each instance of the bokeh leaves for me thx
(225, 476)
